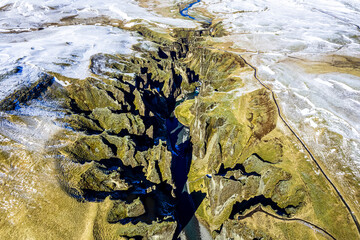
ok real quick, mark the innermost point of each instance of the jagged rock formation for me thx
(243, 157)
(122, 152)
(125, 151)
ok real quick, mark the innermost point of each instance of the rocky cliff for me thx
(183, 115)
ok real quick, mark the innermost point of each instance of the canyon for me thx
(173, 137)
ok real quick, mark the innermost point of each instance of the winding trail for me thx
(306, 223)
(303, 144)
(184, 12)
(298, 138)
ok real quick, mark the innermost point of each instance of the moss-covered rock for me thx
(155, 230)
(115, 123)
(89, 148)
(88, 94)
(122, 210)
(243, 158)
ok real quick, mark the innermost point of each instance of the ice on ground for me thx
(290, 26)
(30, 42)
(29, 14)
(65, 49)
(32, 126)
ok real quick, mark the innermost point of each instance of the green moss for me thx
(121, 210)
(125, 149)
(151, 34)
(165, 229)
(88, 95)
(115, 123)
(184, 114)
(88, 148)
(80, 122)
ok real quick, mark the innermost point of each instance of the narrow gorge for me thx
(176, 140)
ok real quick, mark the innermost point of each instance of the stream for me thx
(185, 13)
(191, 228)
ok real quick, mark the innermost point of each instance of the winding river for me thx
(193, 230)
(185, 13)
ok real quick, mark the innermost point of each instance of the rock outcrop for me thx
(124, 150)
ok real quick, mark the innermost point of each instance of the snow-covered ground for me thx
(37, 36)
(27, 14)
(65, 49)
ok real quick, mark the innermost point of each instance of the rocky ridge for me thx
(121, 149)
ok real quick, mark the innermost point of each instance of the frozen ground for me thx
(66, 50)
(28, 14)
(37, 36)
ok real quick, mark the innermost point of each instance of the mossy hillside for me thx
(115, 123)
(155, 230)
(216, 68)
(212, 120)
(158, 163)
(101, 229)
(153, 33)
(34, 204)
(240, 149)
(184, 114)
(122, 210)
(98, 147)
(281, 150)
(254, 116)
(90, 176)
(271, 150)
(120, 148)
(222, 195)
(335, 160)
(81, 122)
(303, 170)
(152, 74)
(86, 95)
(263, 226)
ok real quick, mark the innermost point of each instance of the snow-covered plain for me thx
(35, 36)
(66, 50)
(28, 14)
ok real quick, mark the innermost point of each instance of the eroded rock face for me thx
(27, 93)
(122, 154)
(124, 150)
(222, 129)
(245, 160)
